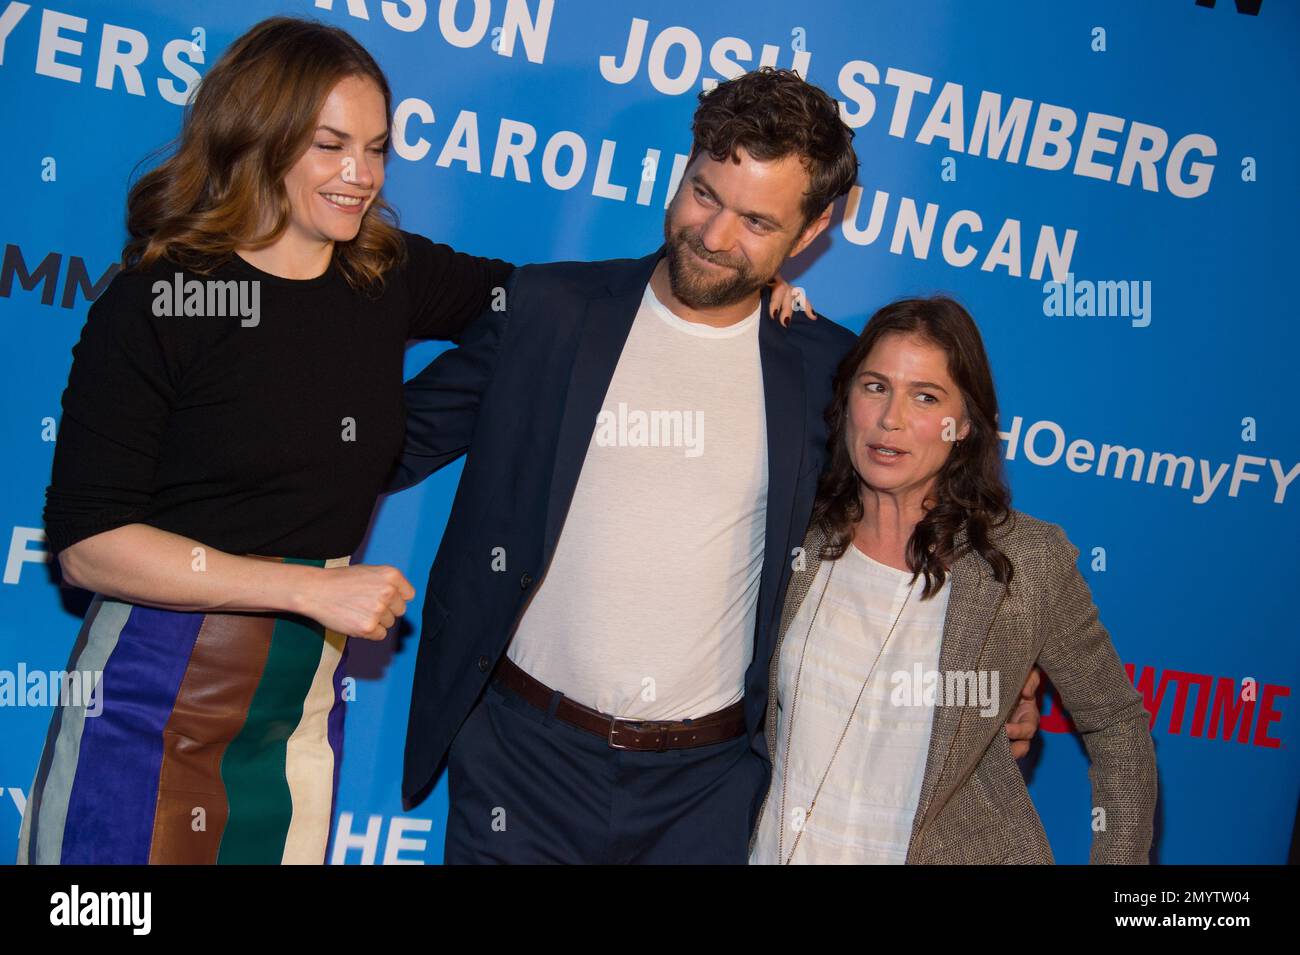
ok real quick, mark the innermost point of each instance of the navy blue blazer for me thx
(520, 395)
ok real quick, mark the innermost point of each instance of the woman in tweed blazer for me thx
(915, 484)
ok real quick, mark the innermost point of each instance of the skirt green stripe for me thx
(253, 769)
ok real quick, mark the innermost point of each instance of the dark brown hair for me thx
(773, 114)
(969, 491)
(253, 116)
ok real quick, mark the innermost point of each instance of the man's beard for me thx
(693, 283)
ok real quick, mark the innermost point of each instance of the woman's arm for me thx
(443, 400)
(1082, 664)
(142, 564)
(449, 289)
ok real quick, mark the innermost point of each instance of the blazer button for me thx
(525, 581)
(484, 664)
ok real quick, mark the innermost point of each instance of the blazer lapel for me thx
(783, 401)
(605, 328)
(973, 602)
(801, 581)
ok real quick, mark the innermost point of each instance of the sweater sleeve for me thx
(449, 289)
(115, 408)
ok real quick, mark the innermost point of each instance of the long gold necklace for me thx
(789, 733)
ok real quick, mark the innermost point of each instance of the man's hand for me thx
(1024, 718)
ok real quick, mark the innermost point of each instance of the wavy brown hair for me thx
(772, 114)
(253, 116)
(970, 491)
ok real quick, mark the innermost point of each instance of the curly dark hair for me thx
(970, 490)
(775, 113)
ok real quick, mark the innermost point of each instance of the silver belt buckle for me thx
(613, 725)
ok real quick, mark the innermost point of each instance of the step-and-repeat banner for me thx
(1108, 186)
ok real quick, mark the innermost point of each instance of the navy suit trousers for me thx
(527, 788)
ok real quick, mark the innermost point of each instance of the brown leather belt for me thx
(639, 735)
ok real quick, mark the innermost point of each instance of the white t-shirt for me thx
(647, 610)
(865, 809)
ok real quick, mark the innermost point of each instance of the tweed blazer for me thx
(973, 806)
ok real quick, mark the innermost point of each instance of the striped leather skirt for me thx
(211, 738)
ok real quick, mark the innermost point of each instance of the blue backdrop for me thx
(1126, 151)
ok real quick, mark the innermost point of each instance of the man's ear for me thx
(811, 231)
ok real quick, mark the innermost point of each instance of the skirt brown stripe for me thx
(210, 710)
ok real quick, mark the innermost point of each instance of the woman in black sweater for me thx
(234, 406)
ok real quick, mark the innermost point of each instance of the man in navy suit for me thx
(643, 454)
